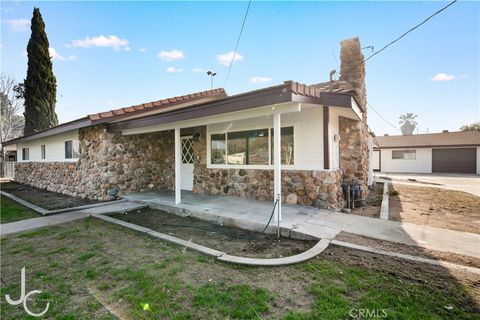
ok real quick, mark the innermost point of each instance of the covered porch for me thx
(280, 144)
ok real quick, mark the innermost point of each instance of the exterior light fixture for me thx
(211, 74)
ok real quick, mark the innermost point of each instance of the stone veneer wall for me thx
(108, 160)
(354, 155)
(320, 188)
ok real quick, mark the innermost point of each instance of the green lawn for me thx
(89, 269)
(11, 211)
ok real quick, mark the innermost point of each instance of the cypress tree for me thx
(40, 84)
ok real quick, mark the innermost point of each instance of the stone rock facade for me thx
(321, 189)
(107, 160)
(354, 155)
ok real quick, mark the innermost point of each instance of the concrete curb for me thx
(45, 212)
(302, 257)
(384, 213)
(219, 255)
(445, 264)
(25, 203)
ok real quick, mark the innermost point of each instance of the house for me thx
(215, 144)
(445, 152)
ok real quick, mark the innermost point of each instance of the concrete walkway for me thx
(304, 222)
(35, 223)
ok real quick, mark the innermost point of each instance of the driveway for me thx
(450, 181)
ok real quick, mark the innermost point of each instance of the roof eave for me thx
(65, 127)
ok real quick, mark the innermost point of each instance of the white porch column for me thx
(178, 166)
(277, 168)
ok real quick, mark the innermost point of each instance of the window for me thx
(404, 154)
(72, 149)
(252, 147)
(42, 151)
(287, 145)
(218, 144)
(25, 153)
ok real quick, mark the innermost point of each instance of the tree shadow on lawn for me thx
(95, 270)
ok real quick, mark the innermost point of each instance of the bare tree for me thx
(11, 105)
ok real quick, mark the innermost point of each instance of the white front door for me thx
(187, 163)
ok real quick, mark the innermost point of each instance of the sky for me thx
(115, 54)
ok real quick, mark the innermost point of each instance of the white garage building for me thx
(446, 152)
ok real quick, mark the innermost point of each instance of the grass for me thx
(110, 272)
(11, 211)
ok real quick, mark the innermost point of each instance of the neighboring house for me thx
(446, 152)
(214, 144)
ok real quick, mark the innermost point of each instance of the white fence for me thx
(7, 170)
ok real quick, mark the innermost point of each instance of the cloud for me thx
(19, 25)
(142, 50)
(101, 41)
(171, 55)
(258, 79)
(198, 70)
(226, 58)
(56, 56)
(110, 102)
(443, 77)
(173, 70)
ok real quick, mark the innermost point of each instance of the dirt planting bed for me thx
(230, 240)
(43, 198)
(435, 207)
(373, 203)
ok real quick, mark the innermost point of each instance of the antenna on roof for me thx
(211, 74)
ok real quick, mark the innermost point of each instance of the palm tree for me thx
(408, 123)
(471, 127)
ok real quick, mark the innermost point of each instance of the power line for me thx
(385, 119)
(418, 25)
(238, 41)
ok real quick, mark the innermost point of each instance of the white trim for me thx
(178, 168)
(277, 159)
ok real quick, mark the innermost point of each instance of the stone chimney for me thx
(354, 159)
(352, 68)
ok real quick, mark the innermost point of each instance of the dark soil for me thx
(373, 203)
(435, 207)
(230, 240)
(411, 250)
(43, 198)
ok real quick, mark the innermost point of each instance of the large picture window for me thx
(251, 147)
(404, 154)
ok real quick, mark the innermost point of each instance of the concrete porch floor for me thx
(304, 222)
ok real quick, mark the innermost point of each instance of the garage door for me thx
(461, 160)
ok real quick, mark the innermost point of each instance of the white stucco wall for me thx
(370, 157)
(308, 136)
(334, 143)
(478, 160)
(421, 164)
(54, 147)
